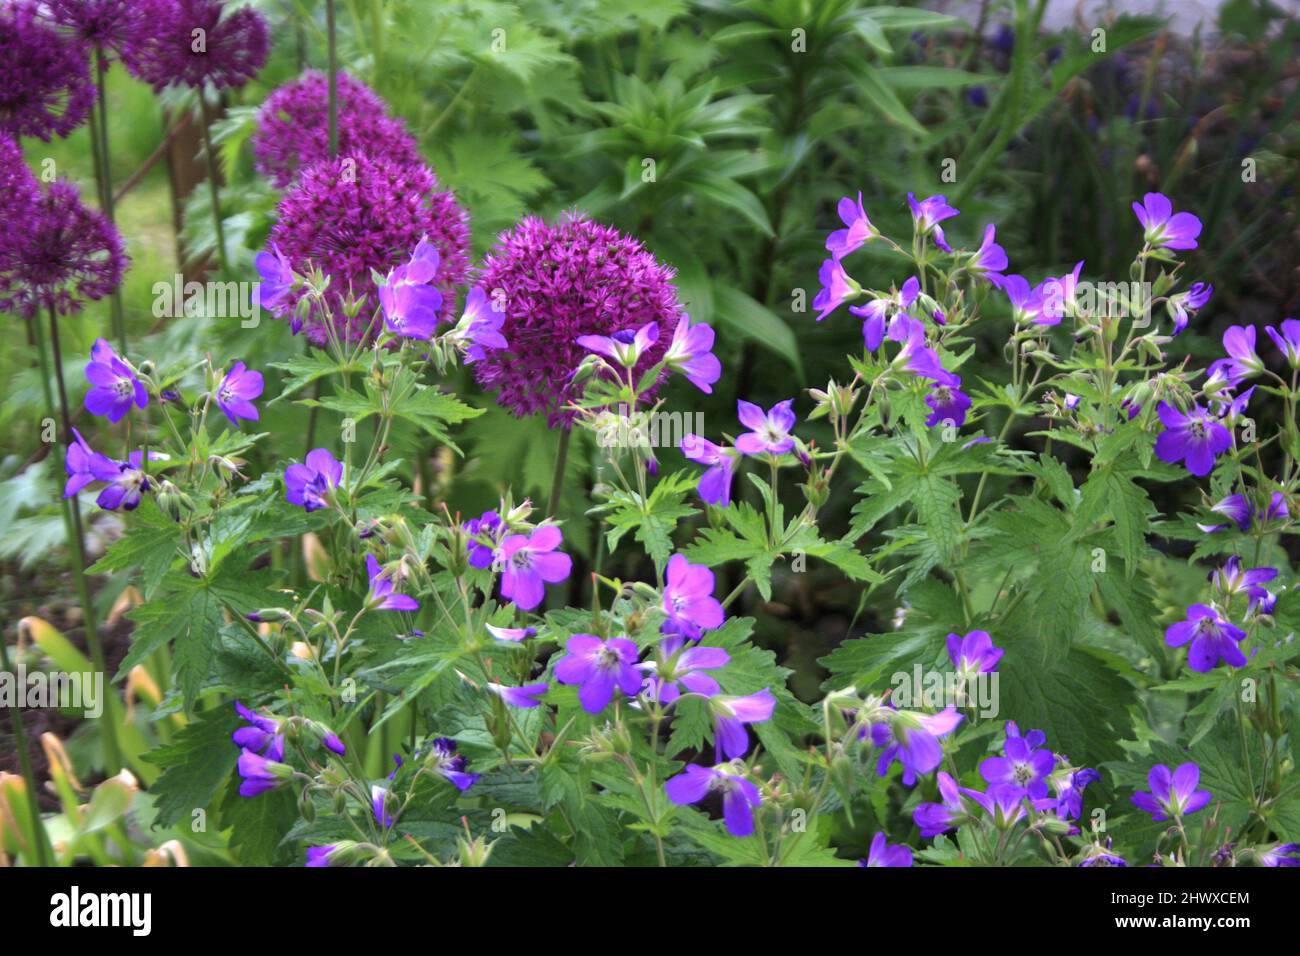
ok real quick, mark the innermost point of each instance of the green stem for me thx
(75, 535)
(212, 181)
(557, 481)
(334, 78)
(104, 175)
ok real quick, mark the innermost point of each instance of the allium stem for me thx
(25, 768)
(77, 550)
(334, 79)
(557, 482)
(104, 175)
(212, 180)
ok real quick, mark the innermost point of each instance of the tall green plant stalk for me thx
(42, 851)
(104, 178)
(557, 480)
(212, 181)
(75, 537)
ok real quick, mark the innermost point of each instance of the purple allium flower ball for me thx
(349, 215)
(45, 85)
(168, 49)
(293, 127)
(556, 284)
(109, 26)
(18, 188)
(65, 253)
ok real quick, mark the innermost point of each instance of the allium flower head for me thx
(109, 26)
(1172, 794)
(193, 42)
(598, 667)
(236, 392)
(63, 254)
(18, 188)
(740, 797)
(114, 387)
(1163, 227)
(293, 127)
(45, 85)
(1213, 639)
(560, 282)
(1195, 438)
(354, 214)
(529, 562)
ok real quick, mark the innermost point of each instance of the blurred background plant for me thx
(721, 134)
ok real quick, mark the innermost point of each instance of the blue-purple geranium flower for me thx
(912, 738)
(731, 715)
(928, 213)
(529, 563)
(715, 483)
(625, 347)
(1163, 227)
(277, 279)
(382, 595)
(769, 432)
(948, 405)
(1194, 438)
(1021, 770)
(310, 484)
(447, 763)
(598, 667)
(1186, 304)
(990, 259)
(411, 305)
(479, 328)
(684, 667)
(880, 314)
(84, 466)
(1212, 637)
(484, 534)
(526, 696)
(114, 387)
(857, 230)
(1242, 361)
(837, 287)
(1287, 341)
(688, 599)
(1172, 795)
(236, 392)
(691, 353)
(974, 653)
(883, 853)
(740, 797)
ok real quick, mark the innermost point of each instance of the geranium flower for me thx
(445, 762)
(915, 356)
(691, 353)
(379, 805)
(311, 483)
(1056, 296)
(836, 288)
(1213, 639)
(883, 853)
(974, 653)
(260, 774)
(320, 855)
(1026, 301)
(487, 526)
(127, 488)
(1194, 438)
(928, 213)
(114, 387)
(731, 715)
(525, 696)
(236, 393)
(598, 667)
(740, 797)
(529, 563)
(1288, 341)
(1022, 770)
(935, 818)
(276, 280)
(1163, 227)
(84, 466)
(512, 634)
(688, 599)
(1242, 362)
(857, 230)
(948, 405)
(1231, 579)
(990, 259)
(382, 596)
(769, 432)
(479, 328)
(912, 739)
(715, 483)
(411, 305)
(265, 736)
(685, 667)
(880, 314)
(1172, 795)
(1185, 304)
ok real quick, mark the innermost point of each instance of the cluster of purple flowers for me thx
(771, 433)
(1212, 637)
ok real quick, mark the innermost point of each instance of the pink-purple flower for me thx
(688, 599)
(1287, 341)
(948, 405)
(311, 483)
(1213, 639)
(928, 213)
(732, 714)
(479, 328)
(1022, 769)
(1163, 227)
(1186, 304)
(411, 305)
(740, 797)
(114, 386)
(715, 483)
(883, 853)
(276, 280)
(84, 466)
(193, 42)
(974, 653)
(857, 230)
(525, 697)
(382, 595)
(598, 667)
(529, 563)
(990, 259)
(236, 392)
(691, 353)
(1173, 795)
(912, 738)
(885, 313)
(769, 432)
(836, 288)
(1194, 438)
(45, 85)
(625, 347)
(684, 667)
